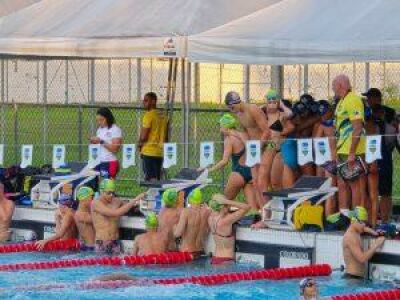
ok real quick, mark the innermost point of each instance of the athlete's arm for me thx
(237, 215)
(117, 212)
(228, 149)
(181, 226)
(261, 121)
(114, 146)
(355, 139)
(361, 256)
(288, 128)
(68, 221)
(135, 249)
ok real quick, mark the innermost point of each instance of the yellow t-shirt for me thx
(349, 109)
(157, 122)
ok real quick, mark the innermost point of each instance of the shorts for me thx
(85, 248)
(108, 169)
(108, 247)
(289, 153)
(385, 167)
(151, 167)
(215, 260)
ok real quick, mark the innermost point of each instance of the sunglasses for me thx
(272, 98)
(109, 193)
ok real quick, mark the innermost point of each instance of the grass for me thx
(25, 124)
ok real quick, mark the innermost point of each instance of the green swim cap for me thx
(151, 221)
(228, 121)
(169, 197)
(272, 95)
(84, 193)
(196, 197)
(107, 185)
(361, 214)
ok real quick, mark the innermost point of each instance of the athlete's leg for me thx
(276, 172)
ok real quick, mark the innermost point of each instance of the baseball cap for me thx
(373, 92)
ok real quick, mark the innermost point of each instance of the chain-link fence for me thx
(46, 102)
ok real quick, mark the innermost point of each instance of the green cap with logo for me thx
(107, 185)
(228, 121)
(169, 197)
(196, 197)
(84, 193)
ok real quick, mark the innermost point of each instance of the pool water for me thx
(263, 289)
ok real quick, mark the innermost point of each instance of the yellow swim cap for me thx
(361, 214)
(196, 197)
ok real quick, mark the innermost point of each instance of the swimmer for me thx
(83, 218)
(169, 216)
(235, 150)
(280, 126)
(191, 224)
(151, 242)
(309, 289)
(65, 223)
(7, 208)
(325, 128)
(221, 227)
(106, 214)
(254, 123)
(355, 258)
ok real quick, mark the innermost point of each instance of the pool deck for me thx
(267, 247)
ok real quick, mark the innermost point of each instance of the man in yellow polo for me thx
(153, 135)
(349, 125)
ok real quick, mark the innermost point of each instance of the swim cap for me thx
(232, 98)
(299, 109)
(214, 204)
(272, 95)
(107, 185)
(304, 283)
(361, 214)
(169, 197)
(151, 221)
(323, 107)
(228, 121)
(84, 193)
(196, 197)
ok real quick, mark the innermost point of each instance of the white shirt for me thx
(107, 135)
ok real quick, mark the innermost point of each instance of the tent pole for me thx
(66, 81)
(367, 76)
(3, 100)
(45, 112)
(186, 74)
(246, 83)
(277, 79)
(196, 100)
(305, 79)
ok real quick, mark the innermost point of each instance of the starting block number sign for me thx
(48, 231)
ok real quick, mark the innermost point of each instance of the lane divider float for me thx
(57, 245)
(208, 280)
(155, 259)
(378, 295)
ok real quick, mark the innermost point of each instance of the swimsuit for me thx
(215, 260)
(86, 248)
(244, 171)
(108, 247)
(289, 152)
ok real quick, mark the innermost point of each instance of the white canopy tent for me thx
(115, 28)
(10, 6)
(303, 32)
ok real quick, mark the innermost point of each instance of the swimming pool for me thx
(268, 290)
